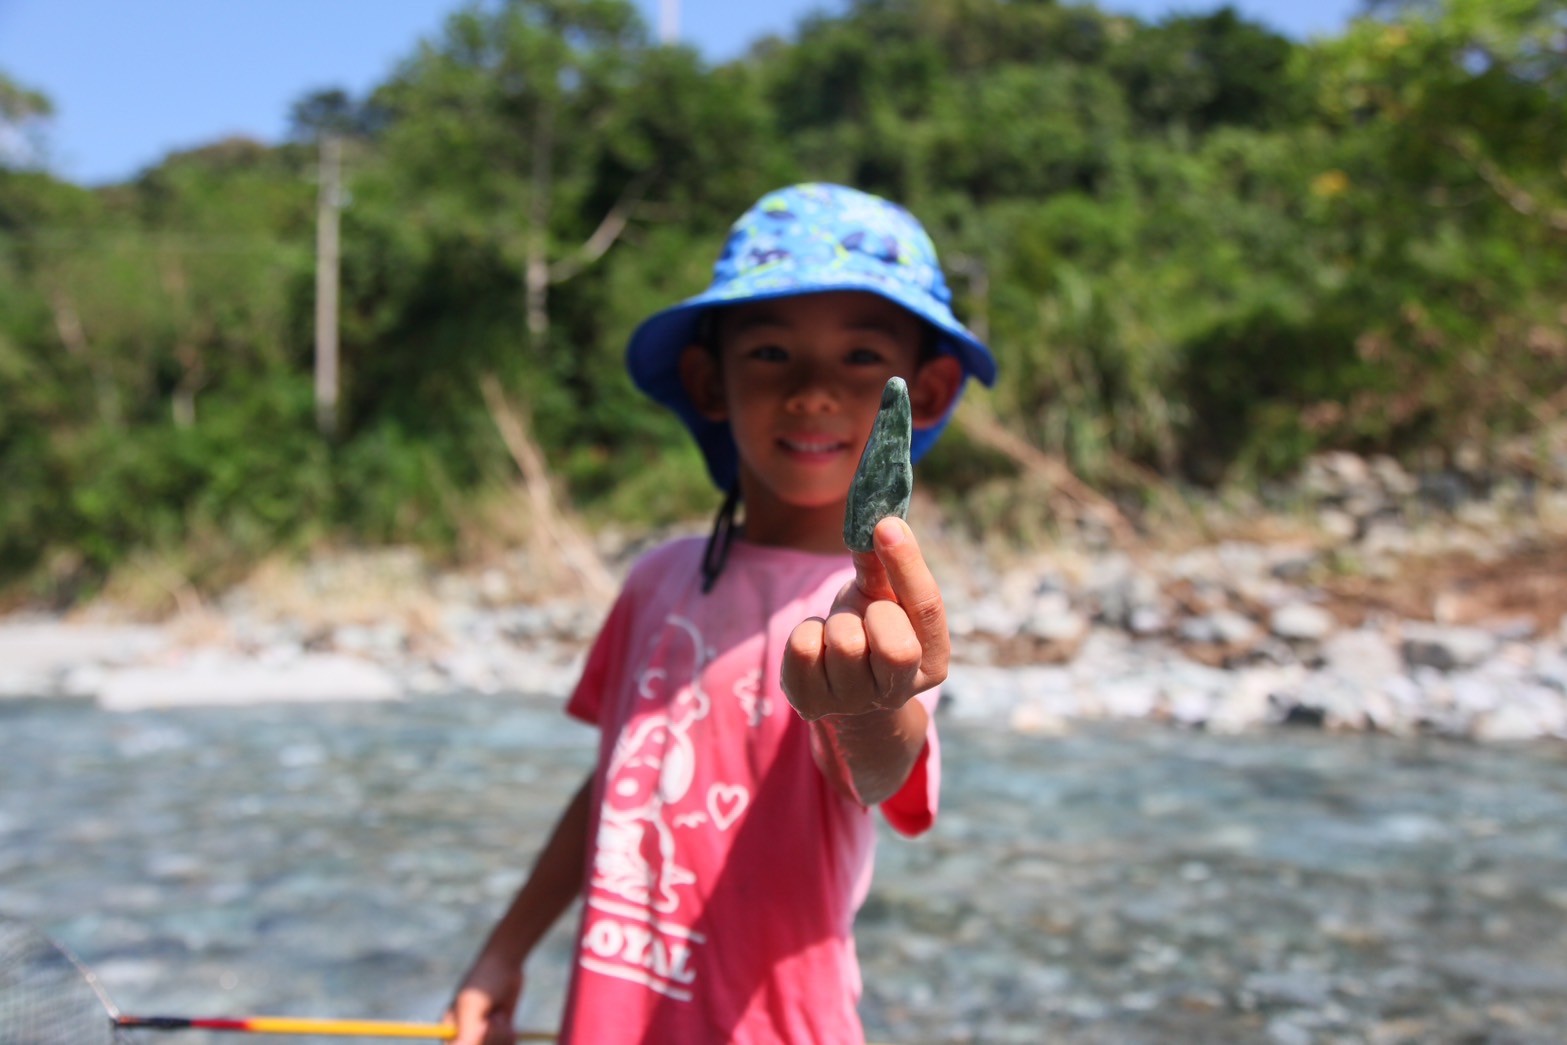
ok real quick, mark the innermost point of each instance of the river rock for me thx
(1254, 697)
(225, 679)
(1053, 620)
(1224, 628)
(42, 647)
(1528, 713)
(1362, 656)
(1446, 648)
(1301, 622)
(1148, 621)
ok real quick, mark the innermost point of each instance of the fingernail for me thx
(893, 530)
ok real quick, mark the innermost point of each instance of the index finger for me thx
(916, 590)
(870, 576)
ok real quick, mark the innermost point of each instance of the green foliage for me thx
(23, 114)
(1199, 72)
(1196, 246)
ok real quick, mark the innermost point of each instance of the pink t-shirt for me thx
(724, 871)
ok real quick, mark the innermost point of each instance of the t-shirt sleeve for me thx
(587, 700)
(912, 810)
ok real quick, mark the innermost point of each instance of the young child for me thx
(758, 691)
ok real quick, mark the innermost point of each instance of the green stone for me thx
(884, 480)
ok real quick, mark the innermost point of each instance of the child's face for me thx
(801, 381)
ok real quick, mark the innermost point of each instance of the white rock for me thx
(378, 640)
(1242, 560)
(1405, 694)
(1510, 722)
(1301, 622)
(1050, 623)
(1474, 693)
(1337, 524)
(45, 647)
(1128, 698)
(84, 680)
(226, 679)
(1384, 537)
(991, 617)
(1253, 696)
(1392, 476)
(1146, 621)
(1188, 705)
(25, 682)
(1233, 629)
(1382, 713)
(1550, 667)
(1198, 629)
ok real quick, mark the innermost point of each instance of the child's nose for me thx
(812, 392)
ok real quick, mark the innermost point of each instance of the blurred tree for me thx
(1195, 246)
(498, 119)
(23, 114)
(1198, 72)
(1438, 206)
(333, 110)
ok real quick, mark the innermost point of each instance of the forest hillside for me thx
(1202, 251)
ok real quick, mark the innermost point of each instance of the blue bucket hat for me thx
(806, 239)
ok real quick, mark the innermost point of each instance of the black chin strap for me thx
(717, 552)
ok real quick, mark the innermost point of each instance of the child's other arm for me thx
(853, 675)
(486, 1000)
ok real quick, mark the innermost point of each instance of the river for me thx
(1119, 883)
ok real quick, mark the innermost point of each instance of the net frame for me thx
(48, 996)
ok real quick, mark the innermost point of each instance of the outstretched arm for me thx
(853, 676)
(486, 1001)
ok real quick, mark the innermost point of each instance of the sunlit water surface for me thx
(1135, 884)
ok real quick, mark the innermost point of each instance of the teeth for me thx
(810, 448)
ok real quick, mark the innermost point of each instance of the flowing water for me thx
(1131, 884)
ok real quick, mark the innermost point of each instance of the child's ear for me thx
(935, 386)
(703, 383)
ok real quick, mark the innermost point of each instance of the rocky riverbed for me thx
(1378, 603)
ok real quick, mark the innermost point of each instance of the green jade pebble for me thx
(884, 480)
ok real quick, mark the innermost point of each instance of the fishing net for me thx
(47, 997)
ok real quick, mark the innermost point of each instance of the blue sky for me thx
(133, 79)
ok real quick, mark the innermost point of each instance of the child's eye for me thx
(866, 357)
(767, 354)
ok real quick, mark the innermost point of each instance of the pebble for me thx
(1302, 622)
(1444, 647)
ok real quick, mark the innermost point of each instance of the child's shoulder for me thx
(670, 556)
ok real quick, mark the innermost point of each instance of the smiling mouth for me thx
(812, 445)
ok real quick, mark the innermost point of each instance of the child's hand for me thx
(483, 1009)
(885, 640)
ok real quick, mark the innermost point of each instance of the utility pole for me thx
(329, 202)
(668, 21)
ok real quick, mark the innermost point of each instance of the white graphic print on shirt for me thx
(635, 928)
